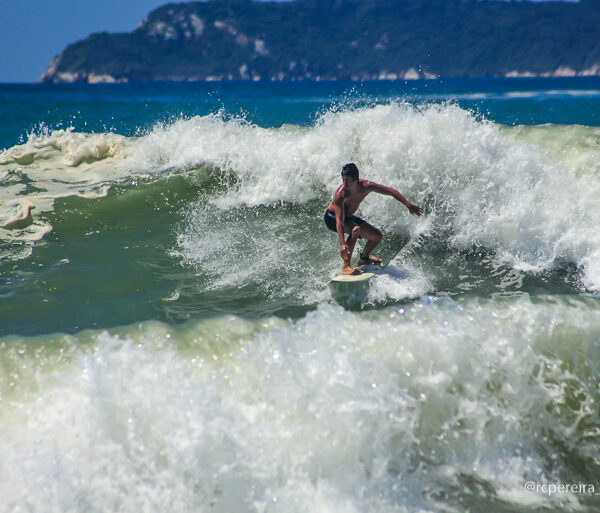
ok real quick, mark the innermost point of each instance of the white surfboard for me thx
(346, 278)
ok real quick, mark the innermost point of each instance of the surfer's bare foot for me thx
(348, 270)
(369, 260)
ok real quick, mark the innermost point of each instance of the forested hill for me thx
(342, 39)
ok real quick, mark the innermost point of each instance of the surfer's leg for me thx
(373, 236)
(352, 238)
(354, 233)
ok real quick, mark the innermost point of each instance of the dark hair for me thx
(350, 170)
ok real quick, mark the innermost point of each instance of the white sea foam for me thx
(399, 280)
(53, 165)
(388, 411)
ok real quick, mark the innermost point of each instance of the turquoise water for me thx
(168, 341)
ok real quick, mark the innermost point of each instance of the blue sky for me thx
(32, 32)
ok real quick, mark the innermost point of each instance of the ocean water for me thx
(169, 341)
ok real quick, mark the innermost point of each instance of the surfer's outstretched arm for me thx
(389, 191)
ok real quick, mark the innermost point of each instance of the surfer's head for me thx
(350, 170)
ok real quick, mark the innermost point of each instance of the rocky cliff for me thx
(342, 39)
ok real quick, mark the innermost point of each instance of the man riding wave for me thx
(340, 218)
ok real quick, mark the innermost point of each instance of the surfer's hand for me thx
(345, 252)
(415, 210)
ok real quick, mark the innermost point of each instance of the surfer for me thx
(340, 218)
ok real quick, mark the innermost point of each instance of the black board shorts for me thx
(331, 223)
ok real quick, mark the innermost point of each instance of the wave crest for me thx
(505, 189)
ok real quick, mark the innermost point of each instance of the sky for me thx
(32, 32)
